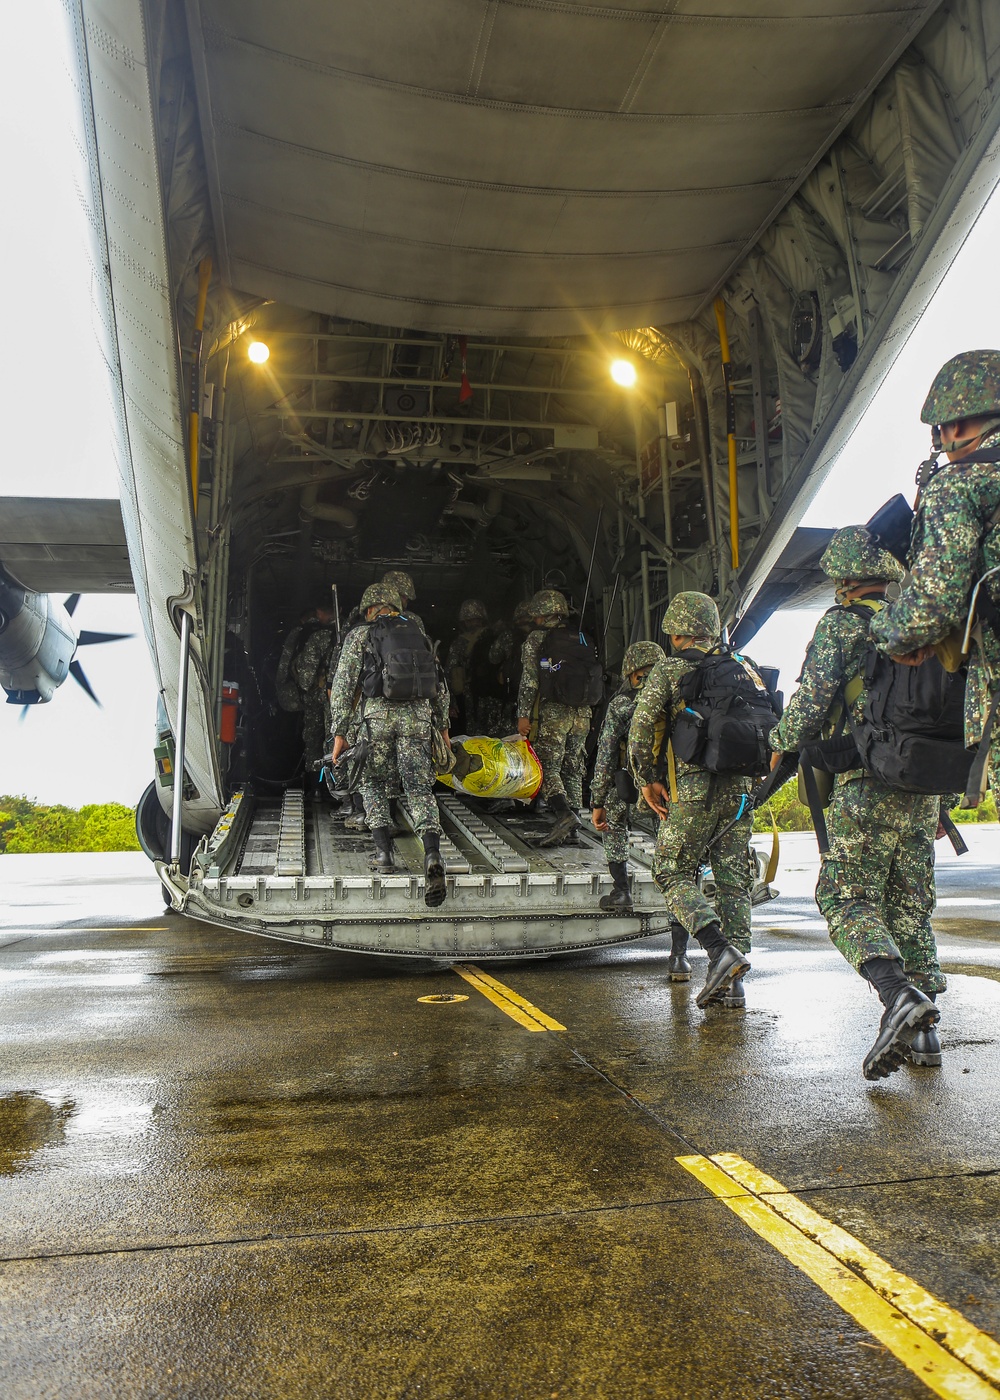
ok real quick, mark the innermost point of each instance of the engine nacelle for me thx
(37, 643)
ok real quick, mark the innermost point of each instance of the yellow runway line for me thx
(516, 1007)
(955, 1333)
(940, 1369)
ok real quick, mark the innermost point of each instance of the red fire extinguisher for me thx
(230, 711)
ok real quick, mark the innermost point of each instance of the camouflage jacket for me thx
(950, 549)
(614, 731)
(458, 659)
(835, 655)
(311, 667)
(660, 699)
(345, 693)
(303, 666)
(502, 645)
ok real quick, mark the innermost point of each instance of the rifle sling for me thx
(816, 809)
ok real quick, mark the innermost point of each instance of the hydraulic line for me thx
(194, 415)
(734, 489)
(180, 741)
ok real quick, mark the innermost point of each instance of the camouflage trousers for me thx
(616, 836)
(876, 884)
(681, 846)
(315, 726)
(400, 749)
(561, 749)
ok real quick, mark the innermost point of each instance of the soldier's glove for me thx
(350, 765)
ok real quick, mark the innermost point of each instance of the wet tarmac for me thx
(230, 1167)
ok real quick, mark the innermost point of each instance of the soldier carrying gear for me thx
(472, 620)
(381, 690)
(698, 809)
(612, 793)
(876, 881)
(495, 670)
(561, 673)
(301, 679)
(955, 543)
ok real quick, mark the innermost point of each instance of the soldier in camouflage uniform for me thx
(956, 536)
(562, 729)
(609, 811)
(352, 809)
(496, 715)
(305, 664)
(472, 620)
(401, 737)
(703, 812)
(876, 882)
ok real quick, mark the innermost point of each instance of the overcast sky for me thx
(57, 421)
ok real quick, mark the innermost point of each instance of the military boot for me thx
(435, 878)
(619, 901)
(678, 966)
(904, 1019)
(566, 822)
(384, 862)
(925, 1048)
(726, 964)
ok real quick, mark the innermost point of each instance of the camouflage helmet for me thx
(968, 386)
(548, 603)
(379, 595)
(853, 553)
(472, 610)
(691, 615)
(640, 656)
(523, 613)
(402, 583)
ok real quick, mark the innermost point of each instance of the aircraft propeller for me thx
(89, 639)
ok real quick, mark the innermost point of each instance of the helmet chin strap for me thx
(960, 444)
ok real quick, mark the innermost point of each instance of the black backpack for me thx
(912, 735)
(729, 713)
(569, 669)
(483, 678)
(398, 663)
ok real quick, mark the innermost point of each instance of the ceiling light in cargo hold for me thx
(624, 372)
(258, 352)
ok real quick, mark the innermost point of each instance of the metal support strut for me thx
(180, 740)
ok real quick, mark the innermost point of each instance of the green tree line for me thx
(30, 828)
(793, 815)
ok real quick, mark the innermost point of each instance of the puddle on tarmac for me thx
(28, 1122)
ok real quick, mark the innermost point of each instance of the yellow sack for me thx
(487, 767)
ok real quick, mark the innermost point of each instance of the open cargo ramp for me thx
(287, 869)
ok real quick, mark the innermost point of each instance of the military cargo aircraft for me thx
(499, 292)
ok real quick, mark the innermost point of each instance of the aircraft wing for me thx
(65, 546)
(795, 581)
